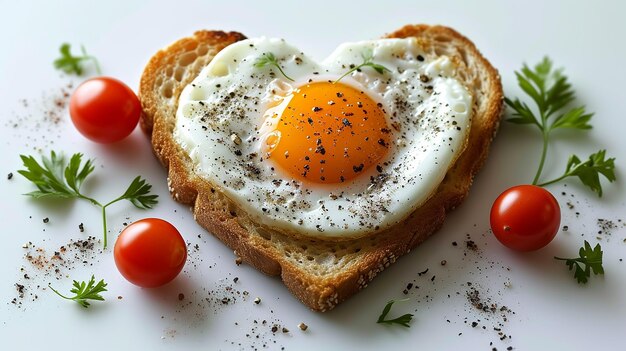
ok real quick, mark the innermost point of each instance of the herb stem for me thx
(350, 71)
(544, 152)
(104, 217)
(92, 58)
(104, 225)
(368, 57)
(58, 293)
(554, 180)
(93, 201)
(96, 64)
(268, 59)
(104, 214)
(283, 73)
(114, 201)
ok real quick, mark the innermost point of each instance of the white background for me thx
(551, 310)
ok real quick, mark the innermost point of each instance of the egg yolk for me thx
(329, 133)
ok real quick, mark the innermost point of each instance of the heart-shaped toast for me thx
(325, 267)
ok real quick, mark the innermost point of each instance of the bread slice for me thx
(321, 273)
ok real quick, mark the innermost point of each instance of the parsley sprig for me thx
(268, 59)
(55, 178)
(85, 291)
(69, 63)
(588, 172)
(402, 320)
(590, 258)
(552, 93)
(368, 61)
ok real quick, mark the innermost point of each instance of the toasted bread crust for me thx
(320, 273)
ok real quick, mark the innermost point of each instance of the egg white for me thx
(225, 114)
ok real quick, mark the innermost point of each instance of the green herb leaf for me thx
(54, 178)
(575, 118)
(559, 95)
(590, 258)
(268, 59)
(138, 193)
(378, 68)
(528, 87)
(58, 179)
(522, 114)
(75, 175)
(84, 291)
(551, 92)
(589, 171)
(368, 57)
(402, 320)
(69, 63)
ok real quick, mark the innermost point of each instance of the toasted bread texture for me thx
(320, 273)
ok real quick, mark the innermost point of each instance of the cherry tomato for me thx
(150, 252)
(525, 217)
(104, 110)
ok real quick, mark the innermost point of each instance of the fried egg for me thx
(305, 148)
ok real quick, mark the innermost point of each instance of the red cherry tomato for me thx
(525, 217)
(104, 110)
(150, 252)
